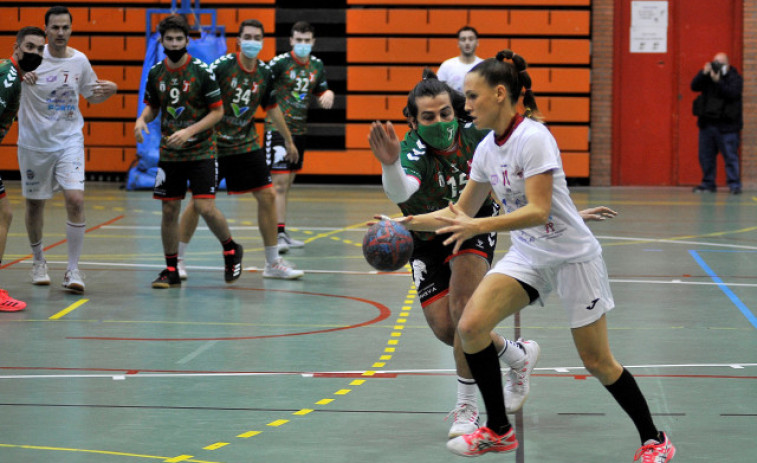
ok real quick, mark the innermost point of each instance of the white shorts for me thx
(44, 173)
(583, 287)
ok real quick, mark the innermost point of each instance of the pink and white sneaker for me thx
(481, 441)
(661, 452)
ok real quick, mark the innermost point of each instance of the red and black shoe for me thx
(233, 263)
(8, 304)
(168, 278)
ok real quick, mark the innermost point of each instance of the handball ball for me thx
(387, 245)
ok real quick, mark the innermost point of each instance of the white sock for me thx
(38, 253)
(271, 254)
(512, 354)
(75, 238)
(182, 248)
(467, 391)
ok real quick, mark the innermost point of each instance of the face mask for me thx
(176, 55)
(251, 48)
(439, 135)
(302, 50)
(29, 62)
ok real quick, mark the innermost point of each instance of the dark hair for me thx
(174, 21)
(28, 30)
(250, 23)
(496, 71)
(467, 28)
(430, 85)
(55, 10)
(303, 27)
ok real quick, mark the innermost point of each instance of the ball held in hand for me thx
(387, 245)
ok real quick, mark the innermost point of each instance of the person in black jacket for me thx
(720, 121)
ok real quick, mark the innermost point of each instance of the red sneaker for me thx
(481, 441)
(662, 452)
(8, 304)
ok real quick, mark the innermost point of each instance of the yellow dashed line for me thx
(357, 382)
(324, 401)
(369, 373)
(215, 446)
(178, 459)
(343, 392)
(389, 349)
(277, 423)
(249, 434)
(69, 309)
(392, 342)
(378, 365)
(385, 357)
(302, 412)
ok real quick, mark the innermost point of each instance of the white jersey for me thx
(531, 150)
(453, 72)
(48, 117)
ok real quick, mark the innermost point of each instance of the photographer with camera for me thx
(718, 109)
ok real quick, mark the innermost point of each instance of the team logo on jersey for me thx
(293, 74)
(162, 86)
(186, 86)
(175, 112)
(234, 82)
(29, 174)
(237, 110)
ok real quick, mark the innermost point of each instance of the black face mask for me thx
(29, 62)
(176, 55)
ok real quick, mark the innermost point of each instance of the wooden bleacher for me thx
(388, 43)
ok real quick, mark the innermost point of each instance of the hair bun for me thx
(428, 74)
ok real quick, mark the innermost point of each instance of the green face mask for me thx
(439, 135)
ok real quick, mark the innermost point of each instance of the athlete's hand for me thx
(326, 100)
(402, 220)
(30, 78)
(292, 154)
(178, 138)
(384, 142)
(104, 89)
(597, 214)
(140, 126)
(460, 225)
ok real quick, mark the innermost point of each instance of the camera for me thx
(717, 66)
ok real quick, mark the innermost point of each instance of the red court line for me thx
(384, 313)
(378, 374)
(63, 241)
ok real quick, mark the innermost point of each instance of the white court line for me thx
(120, 376)
(197, 352)
(662, 240)
(231, 227)
(395, 274)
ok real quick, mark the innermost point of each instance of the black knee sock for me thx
(627, 393)
(172, 261)
(485, 368)
(229, 244)
(281, 228)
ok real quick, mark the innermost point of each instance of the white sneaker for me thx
(518, 379)
(465, 420)
(182, 269)
(294, 244)
(282, 243)
(73, 281)
(282, 270)
(39, 274)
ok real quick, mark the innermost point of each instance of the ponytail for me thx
(513, 76)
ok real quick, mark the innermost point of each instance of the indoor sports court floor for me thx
(340, 366)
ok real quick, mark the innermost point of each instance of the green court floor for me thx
(340, 366)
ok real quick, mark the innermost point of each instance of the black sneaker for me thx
(233, 263)
(702, 189)
(736, 191)
(168, 278)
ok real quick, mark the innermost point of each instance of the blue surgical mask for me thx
(251, 48)
(302, 50)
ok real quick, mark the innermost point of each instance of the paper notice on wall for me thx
(649, 27)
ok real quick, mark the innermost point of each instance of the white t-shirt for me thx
(531, 150)
(453, 72)
(48, 116)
